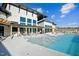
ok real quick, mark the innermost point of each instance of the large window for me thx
(46, 30)
(14, 29)
(48, 26)
(29, 22)
(1, 30)
(22, 21)
(50, 30)
(34, 30)
(29, 30)
(34, 22)
(22, 30)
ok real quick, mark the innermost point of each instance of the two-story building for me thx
(21, 19)
(47, 26)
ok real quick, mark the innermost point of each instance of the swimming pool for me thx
(68, 43)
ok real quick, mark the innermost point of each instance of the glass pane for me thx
(22, 29)
(34, 22)
(14, 29)
(48, 26)
(1, 30)
(28, 20)
(28, 24)
(22, 19)
(34, 30)
(22, 24)
(27, 30)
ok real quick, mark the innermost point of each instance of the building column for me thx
(10, 30)
(18, 30)
(31, 30)
(36, 30)
(43, 30)
(53, 30)
(26, 30)
(76, 30)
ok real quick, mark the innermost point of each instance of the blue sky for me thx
(65, 15)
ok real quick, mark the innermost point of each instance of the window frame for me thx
(28, 21)
(22, 22)
(34, 23)
(14, 29)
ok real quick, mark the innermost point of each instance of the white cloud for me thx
(62, 16)
(52, 16)
(40, 10)
(66, 8)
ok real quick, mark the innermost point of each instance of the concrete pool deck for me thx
(18, 46)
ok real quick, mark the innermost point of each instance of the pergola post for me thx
(53, 30)
(31, 30)
(43, 29)
(26, 30)
(18, 30)
(36, 30)
(10, 30)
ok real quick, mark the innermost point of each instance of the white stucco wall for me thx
(46, 23)
(50, 24)
(15, 15)
(41, 24)
(6, 30)
(2, 15)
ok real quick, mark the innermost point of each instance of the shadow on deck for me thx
(3, 50)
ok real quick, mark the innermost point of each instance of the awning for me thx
(4, 22)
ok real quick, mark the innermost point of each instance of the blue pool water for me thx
(68, 43)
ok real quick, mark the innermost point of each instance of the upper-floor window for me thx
(22, 21)
(48, 26)
(29, 20)
(34, 22)
(50, 30)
